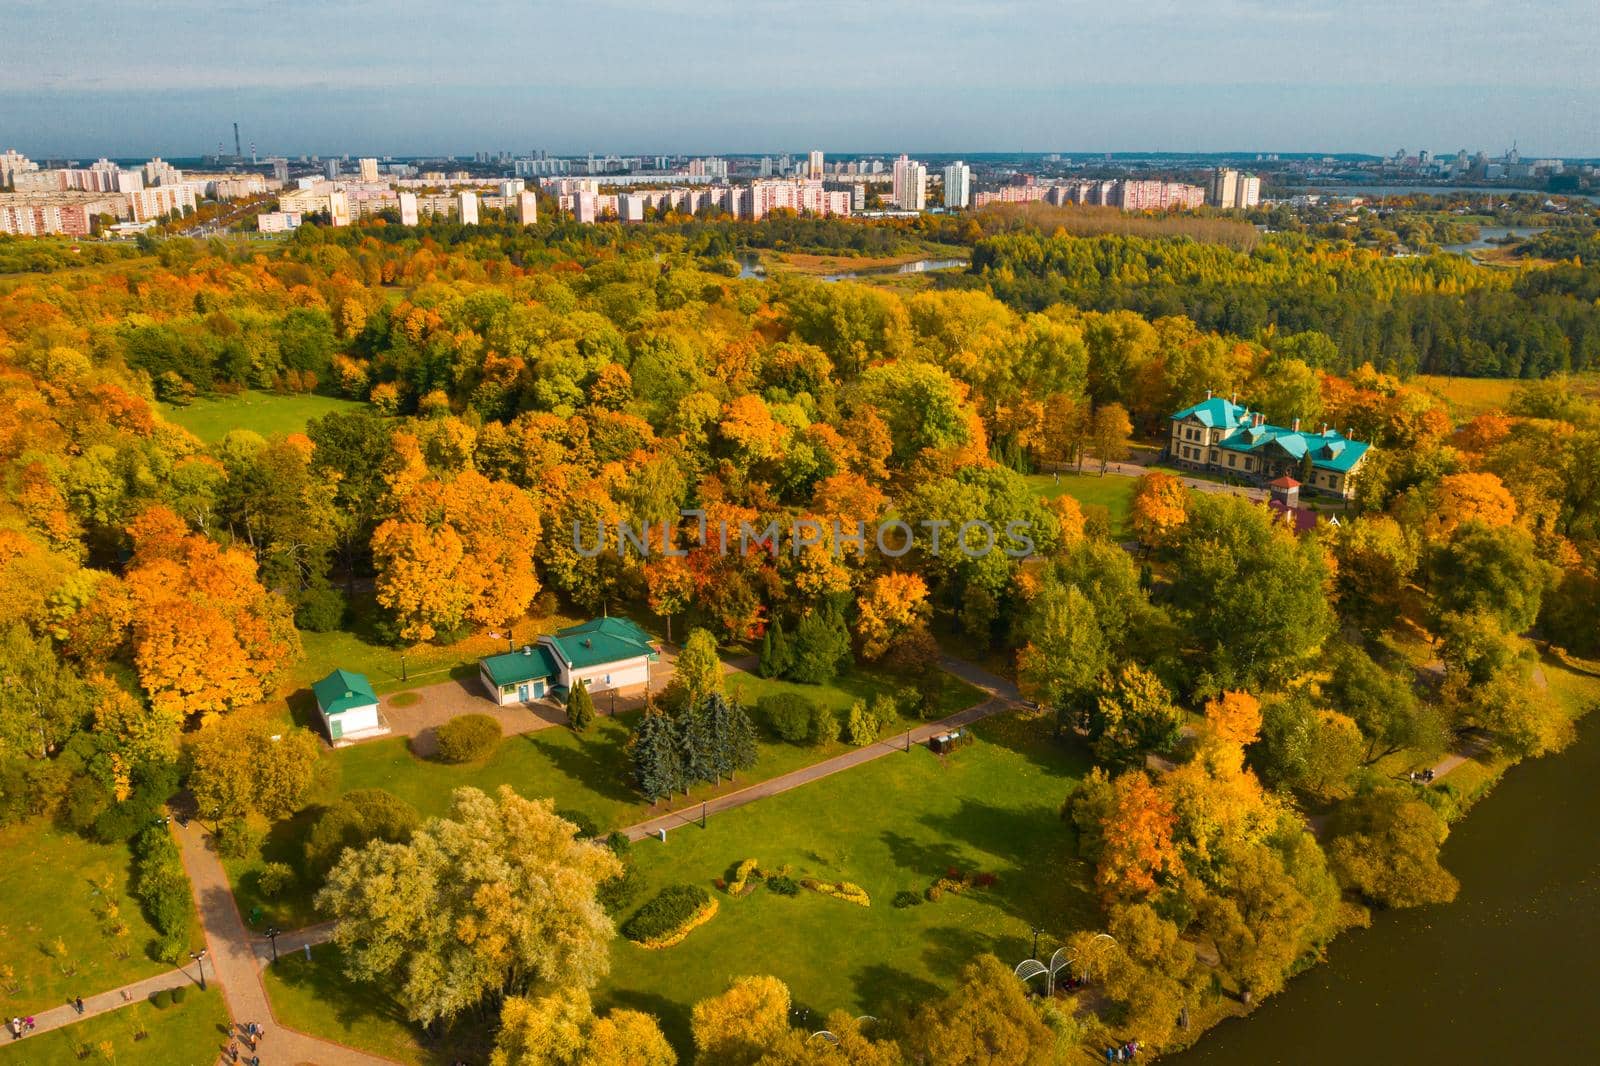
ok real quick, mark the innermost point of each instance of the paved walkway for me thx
(126, 996)
(1003, 696)
(235, 963)
(1199, 484)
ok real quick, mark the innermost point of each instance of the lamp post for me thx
(272, 935)
(403, 667)
(200, 961)
(1035, 953)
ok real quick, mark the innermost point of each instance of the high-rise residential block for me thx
(369, 169)
(957, 185)
(910, 185)
(467, 208)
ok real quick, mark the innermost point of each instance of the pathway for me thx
(1003, 696)
(126, 996)
(236, 963)
(1199, 484)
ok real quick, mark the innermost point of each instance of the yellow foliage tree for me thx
(893, 605)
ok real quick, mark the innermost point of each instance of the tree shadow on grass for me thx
(1033, 737)
(951, 947)
(598, 765)
(884, 990)
(674, 1017)
(350, 1002)
(1044, 881)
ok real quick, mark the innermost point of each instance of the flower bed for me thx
(850, 893)
(675, 912)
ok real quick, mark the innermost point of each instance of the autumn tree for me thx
(986, 1020)
(495, 899)
(737, 1026)
(1160, 508)
(698, 669)
(1137, 846)
(1133, 715)
(42, 700)
(1065, 651)
(893, 604)
(560, 1028)
(1376, 559)
(245, 765)
(1109, 433)
(1492, 570)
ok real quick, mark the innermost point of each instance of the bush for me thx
(586, 827)
(668, 918)
(179, 994)
(824, 726)
(788, 716)
(619, 843)
(861, 725)
(161, 998)
(742, 875)
(905, 898)
(845, 890)
(616, 894)
(236, 839)
(320, 610)
(783, 885)
(274, 878)
(468, 738)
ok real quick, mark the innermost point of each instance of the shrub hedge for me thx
(468, 738)
(668, 918)
(845, 890)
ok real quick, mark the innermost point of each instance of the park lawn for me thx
(1114, 492)
(322, 1001)
(48, 893)
(895, 824)
(267, 413)
(191, 1033)
(587, 774)
(892, 825)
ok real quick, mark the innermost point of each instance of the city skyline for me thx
(666, 76)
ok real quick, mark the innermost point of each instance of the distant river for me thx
(1508, 973)
(749, 263)
(1426, 190)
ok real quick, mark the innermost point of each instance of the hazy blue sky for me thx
(404, 76)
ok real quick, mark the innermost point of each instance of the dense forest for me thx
(518, 384)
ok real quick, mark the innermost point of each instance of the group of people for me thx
(1421, 775)
(1125, 1053)
(252, 1034)
(20, 1026)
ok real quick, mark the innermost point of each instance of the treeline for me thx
(1435, 314)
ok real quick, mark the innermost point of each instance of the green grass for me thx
(191, 1033)
(895, 824)
(323, 1002)
(49, 893)
(587, 773)
(1114, 492)
(267, 413)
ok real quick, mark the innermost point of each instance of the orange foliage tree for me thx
(1160, 508)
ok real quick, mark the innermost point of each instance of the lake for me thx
(1507, 973)
(749, 263)
(1492, 237)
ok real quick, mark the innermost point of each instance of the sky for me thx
(407, 77)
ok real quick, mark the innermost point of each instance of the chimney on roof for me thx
(1257, 419)
(1208, 394)
(1297, 425)
(1324, 429)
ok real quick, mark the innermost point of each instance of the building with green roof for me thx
(1223, 437)
(349, 707)
(601, 654)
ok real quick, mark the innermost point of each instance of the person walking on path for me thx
(77, 1004)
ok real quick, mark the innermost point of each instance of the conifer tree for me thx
(782, 655)
(657, 769)
(580, 709)
(764, 663)
(692, 741)
(741, 743)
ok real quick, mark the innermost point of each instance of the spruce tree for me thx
(782, 655)
(741, 742)
(692, 741)
(764, 663)
(656, 767)
(580, 709)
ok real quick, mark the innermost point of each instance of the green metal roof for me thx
(1328, 451)
(602, 640)
(1215, 412)
(341, 691)
(514, 667)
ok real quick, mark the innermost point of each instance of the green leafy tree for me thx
(1133, 715)
(1305, 748)
(42, 700)
(1384, 844)
(698, 670)
(494, 900)
(1384, 706)
(1252, 594)
(1492, 570)
(355, 819)
(1065, 654)
(821, 646)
